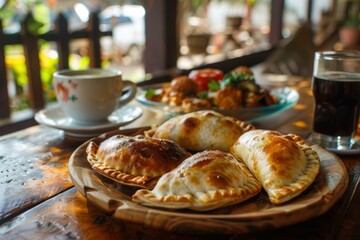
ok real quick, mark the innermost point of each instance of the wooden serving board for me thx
(255, 214)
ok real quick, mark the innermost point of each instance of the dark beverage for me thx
(337, 104)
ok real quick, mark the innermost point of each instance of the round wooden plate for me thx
(254, 214)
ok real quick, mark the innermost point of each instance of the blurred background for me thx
(207, 31)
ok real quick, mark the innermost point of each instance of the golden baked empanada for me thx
(201, 130)
(284, 164)
(204, 181)
(137, 161)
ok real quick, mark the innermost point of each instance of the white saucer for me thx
(353, 151)
(56, 118)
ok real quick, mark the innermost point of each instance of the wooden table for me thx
(39, 201)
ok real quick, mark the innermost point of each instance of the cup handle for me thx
(130, 94)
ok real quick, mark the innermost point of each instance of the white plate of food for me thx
(234, 94)
(288, 97)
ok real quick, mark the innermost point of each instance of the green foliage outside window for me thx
(14, 54)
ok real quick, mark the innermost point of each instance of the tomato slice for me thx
(203, 76)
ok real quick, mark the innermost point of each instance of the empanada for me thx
(204, 181)
(284, 164)
(137, 161)
(201, 130)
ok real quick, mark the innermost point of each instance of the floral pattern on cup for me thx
(64, 91)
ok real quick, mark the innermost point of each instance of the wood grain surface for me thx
(33, 167)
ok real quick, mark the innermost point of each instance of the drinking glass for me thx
(336, 88)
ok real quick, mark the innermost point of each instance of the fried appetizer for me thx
(180, 88)
(229, 98)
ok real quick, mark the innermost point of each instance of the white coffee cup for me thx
(89, 96)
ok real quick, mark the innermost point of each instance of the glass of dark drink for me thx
(336, 89)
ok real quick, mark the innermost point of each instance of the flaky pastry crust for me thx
(137, 161)
(284, 164)
(205, 181)
(201, 130)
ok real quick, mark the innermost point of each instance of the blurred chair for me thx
(293, 56)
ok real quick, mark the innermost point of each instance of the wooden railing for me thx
(163, 69)
(30, 42)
